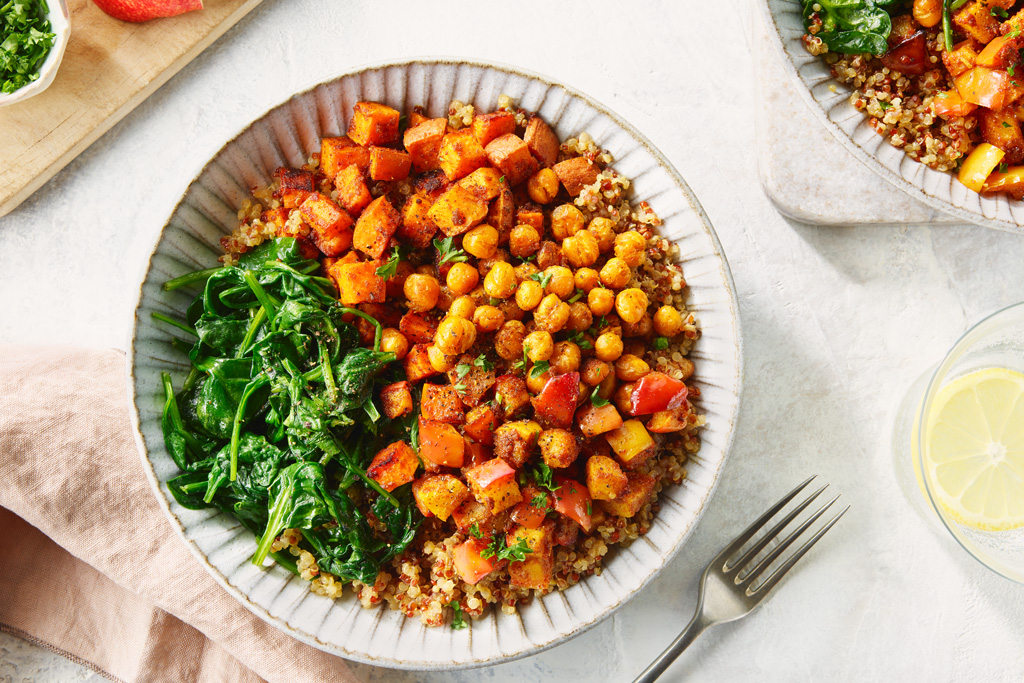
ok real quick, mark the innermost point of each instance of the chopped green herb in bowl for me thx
(33, 35)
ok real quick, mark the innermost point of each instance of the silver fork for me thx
(727, 592)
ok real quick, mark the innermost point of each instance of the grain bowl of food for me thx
(420, 374)
(926, 93)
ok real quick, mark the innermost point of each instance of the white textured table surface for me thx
(837, 323)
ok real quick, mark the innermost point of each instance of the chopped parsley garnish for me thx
(540, 501)
(474, 530)
(539, 368)
(482, 363)
(590, 508)
(579, 340)
(596, 399)
(577, 296)
(390, 267)
(1005, 124)
(462, 369)
(1003, 167)
(498, 550)
(1010, 69)
(458, 623)
(884, 105)
(661, 343)
(461, 386)
(999, 12)
(447, 252)
(543, 278)
(542, 476)
(524, 361)
(27, 38)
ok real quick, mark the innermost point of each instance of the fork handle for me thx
(696, 626)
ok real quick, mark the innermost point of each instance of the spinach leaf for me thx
(852, 26)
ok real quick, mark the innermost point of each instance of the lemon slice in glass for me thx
(975, 456)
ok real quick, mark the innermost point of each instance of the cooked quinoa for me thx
(423, 581)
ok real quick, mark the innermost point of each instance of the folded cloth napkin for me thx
(91, 567)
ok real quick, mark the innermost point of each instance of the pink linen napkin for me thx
(91, 567)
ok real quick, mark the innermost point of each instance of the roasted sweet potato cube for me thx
(1002, 129)
(473, 512)
(510, 154)
(396, 399)
(457, 210)
(511, 394)
(418, 116)
(376, 224)
(481, 423)
(541, 141)
(537, 569)
(1001, 52)
(419, 328)
(460, 154)
(631, 443)
(576, 173)
(417, 227)
(471, 381)
(373, 124)
(494, 484)
(417, 363)
(394, 466)
(484, 183)
(976, 20)
(962, 58)
(636, 494)
(441, 402)
(423, 142)
(352, 191)
(339, 153)
(531, 214)
(666, 421)
(514, 442)
(1014, 23)
(605, 479)
(295, 186)
(358, 282)
(558, 447)
(389, 164)
(439, 494)
(278, 216)
(502, 213)
(332, 227)
(432, 184)
(487, 127)
(594, 420)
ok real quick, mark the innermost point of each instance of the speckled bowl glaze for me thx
(286, 135)
(941, 190)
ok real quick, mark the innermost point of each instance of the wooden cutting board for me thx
(109, 67)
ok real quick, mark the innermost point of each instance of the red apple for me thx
(144, 10)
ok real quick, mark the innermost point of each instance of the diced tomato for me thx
(441, 444)
(528, 515)
(556, 403)
(655, 392)
(470, 565)
(572, 499)
(950, 103)
(491, 472)
(476, 453)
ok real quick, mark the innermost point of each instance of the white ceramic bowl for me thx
(60, 20)
(285, 136)
(943, 191)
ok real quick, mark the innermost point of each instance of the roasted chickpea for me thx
(667, 321)
(608, 347)
(641, 328)
(624, 399)
(561, 282)
(524, 270)
(542, 186)
(535, 382)
(508, 341)
(580, 317)
(529, 294)
(615, 273)
(454, 335)
(629, 246)
(479, 295)
(462, 278)
(500, 282)
(421, 291)
(595, 371)
(539, 346)
(601, 301)
(510, 309)
(524, 240)
(566, 221)
(630, 368)
(928, 13)
(462, 307)
(427, 269)
(393, 341)
(581, 249)
(439, 360)
(551, 314)
(631, 304)
(396, 283)
(481, 241)
(586, 279)
(488, 318)
(566, 358)
(604, 231)
(549, 254)
(485, 265)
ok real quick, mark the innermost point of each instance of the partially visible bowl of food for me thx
(32, 45)
(422, 378)
(926, 93)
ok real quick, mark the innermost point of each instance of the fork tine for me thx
(777, 575)
(788, 541)
(775, 530)
(740, 540)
